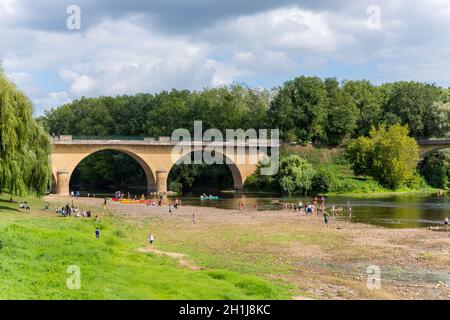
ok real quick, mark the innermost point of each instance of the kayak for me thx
(209, 198)
(129, 201)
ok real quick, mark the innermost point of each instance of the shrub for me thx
(389, 155)
(323, 181)
(295, 175)
(435, 169)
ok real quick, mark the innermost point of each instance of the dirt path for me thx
(177, 256)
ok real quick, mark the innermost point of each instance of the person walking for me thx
(150, 239)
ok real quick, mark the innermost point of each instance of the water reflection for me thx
(399, 211)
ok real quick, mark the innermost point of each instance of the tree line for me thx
(305, 109)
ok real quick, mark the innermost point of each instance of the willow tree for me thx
(24, 146)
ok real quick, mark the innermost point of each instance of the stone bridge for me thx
(155, 156)
(427, 146)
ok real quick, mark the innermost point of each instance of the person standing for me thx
(194, 218)
(104, 204)
(97, 233)
(325, 218)
(446, 223)
(150, 239)
(170, 208)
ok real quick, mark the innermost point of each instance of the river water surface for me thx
(393, 211)
(399, 211)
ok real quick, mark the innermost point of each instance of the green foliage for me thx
(308, 109)
(415, 105)
(201, 178)
(24, 146)
(341, 113)
(389, 155)
(368, 99)
(262, 183)
(298, 109)
(323, 181)
(108, 169)
(295, 175)
(435, 168)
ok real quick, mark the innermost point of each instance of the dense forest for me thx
(305, 109)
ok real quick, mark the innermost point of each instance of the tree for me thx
(341, 113)
(369, 100)
(298, 110)
(389, 155)
(435, 169)
(295, 175)
(322, 181)
(24, 146)
(413, 104)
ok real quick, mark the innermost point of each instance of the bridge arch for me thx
(238, 179)
(63, 177)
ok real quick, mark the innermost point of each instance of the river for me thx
(392, 211)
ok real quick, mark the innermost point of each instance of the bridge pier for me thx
(62, 183)
(161, 181)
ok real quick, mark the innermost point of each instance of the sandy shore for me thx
(318, 262)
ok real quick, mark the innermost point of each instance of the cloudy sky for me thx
(130, 46)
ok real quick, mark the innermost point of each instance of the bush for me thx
(176, 186)
(435, 169)
(389, 155)
(295, 175)
(323, 181)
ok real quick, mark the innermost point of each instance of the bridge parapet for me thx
(165, 141)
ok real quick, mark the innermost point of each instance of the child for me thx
(97, 233)
(150, 239)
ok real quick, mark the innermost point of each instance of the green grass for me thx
(36, 249)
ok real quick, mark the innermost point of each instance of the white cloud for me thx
(126, 56)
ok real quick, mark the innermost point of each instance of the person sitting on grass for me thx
(26, 206)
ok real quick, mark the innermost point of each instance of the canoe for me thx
(129, 201)
(209, 198)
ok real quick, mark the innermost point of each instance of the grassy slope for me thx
(36, 249)
(347, 183)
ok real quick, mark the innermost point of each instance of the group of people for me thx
(68, 211)
(317, 207)
(24, 205)
(75, 194)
